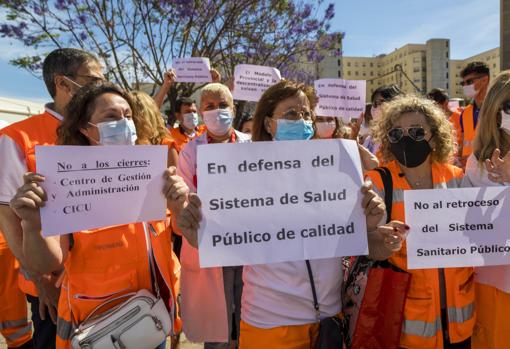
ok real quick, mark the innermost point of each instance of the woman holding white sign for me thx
(417, 145)
(104, 266)
(278, 308)
(484, 167)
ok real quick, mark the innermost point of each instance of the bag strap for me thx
(150, 253)
(388, 190)
(314, 292)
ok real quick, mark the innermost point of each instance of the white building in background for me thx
(13, 110)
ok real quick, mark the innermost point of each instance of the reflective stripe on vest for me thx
(461, 314)
(398, 195)
(421, 328)
(12, 323)
(64, 329)
(18, 334)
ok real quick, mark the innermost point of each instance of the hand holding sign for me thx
(175, 189)
(169, 77)
(28, 199)
(188, 220)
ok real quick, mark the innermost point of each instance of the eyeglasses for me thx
(470, 81)
(378, 102)
(415, 132)
(506, 107)
(293, 114)
(90, 78)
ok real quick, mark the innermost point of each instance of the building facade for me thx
(415, 68)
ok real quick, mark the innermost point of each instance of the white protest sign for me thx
(250, 81)
(340, 98)
(470, 227)
(192, 69)
(90, 187)
(453, 105)
(268, 202)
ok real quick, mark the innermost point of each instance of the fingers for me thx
(52, 310)
(30, 177)
(495, 156)
(171, 171)
(368, 195)
(42, 310)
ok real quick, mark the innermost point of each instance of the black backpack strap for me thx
(388, 190)
(314, 291)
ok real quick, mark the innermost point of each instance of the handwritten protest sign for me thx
(192, 69)
(269, 202)
(250, 81)
(469, 228)
(91, 187)
(340, 98)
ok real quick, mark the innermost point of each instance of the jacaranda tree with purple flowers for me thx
(138, 39)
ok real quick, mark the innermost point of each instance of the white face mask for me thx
(117, 132)
(470, 91)
(218, 121)
(325, 129)
(190, 120)
(505, 122)
(376, 113)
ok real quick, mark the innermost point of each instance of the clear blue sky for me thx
(372, 27)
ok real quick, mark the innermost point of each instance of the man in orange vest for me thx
(475, 81)
(440, 96)
(187, 116)
(64, 72)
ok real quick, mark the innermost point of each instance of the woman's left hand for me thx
(373, 205)
(387, 239)
(498, 169)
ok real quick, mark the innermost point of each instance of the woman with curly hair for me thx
(150, 127)
(417, 144)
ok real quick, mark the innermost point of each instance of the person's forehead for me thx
(410, 119)
(92, 68)
(298, 100)
(471, 76)
(215, 97)
(111, 100)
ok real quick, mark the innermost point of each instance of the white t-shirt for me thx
(13, 164)
(497, 276)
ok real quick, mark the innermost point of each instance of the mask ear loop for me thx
(84, 132)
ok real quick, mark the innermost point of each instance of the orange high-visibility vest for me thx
(182, 139)
(468, 124)
(37, 130)
(14, 324)
(455, 121)
(422, 327)
(108, 262)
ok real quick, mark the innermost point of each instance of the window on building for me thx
(356, 73)
(349, 73)
(339, 62)
(447, 86)
(447, 75)
(371, 73)
(371, 65)
(348, 64)
(494, 65)
(339, 74)
(364, 74)
(446, 64)
(446, 43)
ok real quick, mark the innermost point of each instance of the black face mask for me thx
(410, 153)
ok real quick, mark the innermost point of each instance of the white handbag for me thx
(141, 322)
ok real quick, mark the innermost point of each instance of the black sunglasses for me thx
(415, 132)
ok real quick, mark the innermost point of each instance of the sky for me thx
(372, 27)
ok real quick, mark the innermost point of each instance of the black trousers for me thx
(45, 331)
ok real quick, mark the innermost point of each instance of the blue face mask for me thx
(293, 130)
(118, 132)
(218, 121)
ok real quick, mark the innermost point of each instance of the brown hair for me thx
(489, 136)
(80, 109)
(150, 127)
(270, 99)
(441, 129)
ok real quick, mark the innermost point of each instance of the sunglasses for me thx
(415, 132)
(293, 114)
(470, 81)
(506, 107)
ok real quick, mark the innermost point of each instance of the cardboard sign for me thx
(192, 69)
(251, 81)
(340, 98)
(91, 187)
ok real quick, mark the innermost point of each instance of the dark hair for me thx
(475, 67)
(80, 109)
(438, 95)
(387, 92)
(63, 61)
(270, 99)
(183, 101)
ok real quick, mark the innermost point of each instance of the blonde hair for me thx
(489, 136)
(443, 144)
(216, 89)
(150, 127)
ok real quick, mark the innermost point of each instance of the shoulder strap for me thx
(388, 190)
(150, 253)
(314, 292)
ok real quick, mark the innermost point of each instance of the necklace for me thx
(416, 182)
